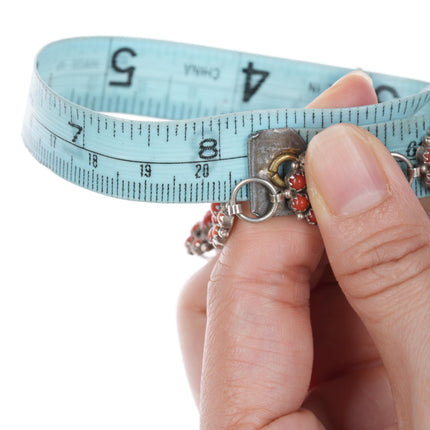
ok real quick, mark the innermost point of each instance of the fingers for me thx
(255, 370)
(191, 317)
(352, 90)
(302, 419)
(356, 400)
(258, 347)
(191, 310)
(341, 342)
(377, 237)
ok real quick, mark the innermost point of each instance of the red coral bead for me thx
(297, 181)
(190, 240)
(207, 219)
(311, 217)
(213, 232)
(220, 217)
(300, 203)
(197, 228)
(215, 207)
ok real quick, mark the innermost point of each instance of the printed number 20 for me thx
(202, 170)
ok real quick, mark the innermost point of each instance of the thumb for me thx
(377, 238)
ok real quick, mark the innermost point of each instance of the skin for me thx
(295, 326)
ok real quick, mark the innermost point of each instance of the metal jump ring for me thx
(410, 166)
(268, 185)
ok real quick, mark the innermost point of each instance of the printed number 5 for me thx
(127, 70)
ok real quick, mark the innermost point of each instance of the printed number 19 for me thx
(145, 170)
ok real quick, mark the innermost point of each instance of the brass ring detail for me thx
(276, 163)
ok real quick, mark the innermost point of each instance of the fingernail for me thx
(356, 73)
(345, 170)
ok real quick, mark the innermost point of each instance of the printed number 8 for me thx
(208, 149)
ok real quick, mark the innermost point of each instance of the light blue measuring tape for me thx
(214, 100)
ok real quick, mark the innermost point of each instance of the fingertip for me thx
(353, 89)
(345, 169)
(377, 238)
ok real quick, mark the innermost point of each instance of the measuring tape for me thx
(214, 100)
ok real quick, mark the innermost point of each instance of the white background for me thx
(88, 283)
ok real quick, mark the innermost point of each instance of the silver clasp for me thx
(271, 153)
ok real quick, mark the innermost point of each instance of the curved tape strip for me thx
(214, 99)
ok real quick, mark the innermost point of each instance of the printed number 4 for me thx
(251, 89)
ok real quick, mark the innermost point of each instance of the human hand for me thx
(294, 326)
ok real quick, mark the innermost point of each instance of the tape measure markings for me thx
(308, 136)
(210, 147)
(210, 191)
(79, 129)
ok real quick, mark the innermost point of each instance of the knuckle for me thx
(288, 285)
(237, 414)
(387, 263)
(240, 419)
